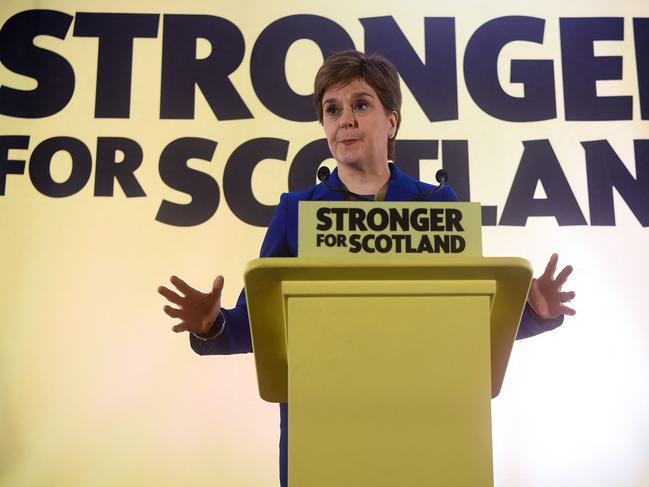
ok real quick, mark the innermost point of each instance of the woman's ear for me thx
(393, 119)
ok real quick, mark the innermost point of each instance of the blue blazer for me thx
(281, 241)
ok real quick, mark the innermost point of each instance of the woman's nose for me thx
(347, 119)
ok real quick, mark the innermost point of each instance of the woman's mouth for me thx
(348, 141)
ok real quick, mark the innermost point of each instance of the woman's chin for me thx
(350, 158)
(347, 161)
(360, 163)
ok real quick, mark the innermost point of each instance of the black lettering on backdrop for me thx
(433, 83)
(641, 37)
(115, 33)
(537, 76)
(11, 166)
(455, 160)
(606, 171)
(237, 179)
(432, 80)
(539, 163)
(53, 73)
(268, 58)
(182, 71)
(40, 166)
(202, 188)
(582, 69)
(108, 168)
(303, 170)
(118, 159)
(410, 152)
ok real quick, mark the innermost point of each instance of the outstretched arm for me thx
(546, 297)
(214, 330)
(546, 306)
(195, 310)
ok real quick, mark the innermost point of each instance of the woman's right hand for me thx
(196, 310)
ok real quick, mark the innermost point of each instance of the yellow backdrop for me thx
(95, 389)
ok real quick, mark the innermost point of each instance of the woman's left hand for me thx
(545, 297)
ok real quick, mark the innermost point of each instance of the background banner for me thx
(144, 139)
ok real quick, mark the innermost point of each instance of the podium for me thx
(388, 364)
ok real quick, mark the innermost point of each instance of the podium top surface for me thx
(269, 281)
(420, 267)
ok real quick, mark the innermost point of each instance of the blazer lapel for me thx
(401, 187)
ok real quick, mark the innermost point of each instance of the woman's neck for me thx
(363, 181)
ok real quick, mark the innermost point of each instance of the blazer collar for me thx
(400, 187)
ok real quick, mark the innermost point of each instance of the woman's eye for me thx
(331, 110)
(360, 106)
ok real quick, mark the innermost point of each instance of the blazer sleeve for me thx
(531, 326)
(235, 337)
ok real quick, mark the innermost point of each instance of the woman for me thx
(358, 101)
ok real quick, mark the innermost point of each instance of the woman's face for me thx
(356, 125)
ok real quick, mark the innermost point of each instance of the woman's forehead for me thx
(356, 87)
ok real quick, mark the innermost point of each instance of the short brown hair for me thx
(344, 67)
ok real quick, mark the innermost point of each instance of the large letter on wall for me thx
(641, 37)
(237, 179)
(53, 74)
(481, 71)
(432, 83)
(116, 33)
(540, 164)
(269, 58)
(176, 174)
(582, 69)
(606, 171)
(181, 71)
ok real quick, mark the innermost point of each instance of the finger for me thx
(181, 285)
(566, 296)
(567, 310)
(170, 295)
(180, 327)
(563, 276)
(217, 285)
(551, 267)
(173, 312)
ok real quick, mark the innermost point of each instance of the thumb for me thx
(217, 285)
(179, 327)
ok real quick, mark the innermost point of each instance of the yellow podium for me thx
(388, 365)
